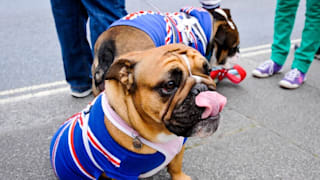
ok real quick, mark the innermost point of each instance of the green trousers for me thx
(283, 24)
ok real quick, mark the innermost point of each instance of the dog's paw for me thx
(181, 176)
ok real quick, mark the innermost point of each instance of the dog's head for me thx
(169, 88)
(225, 40)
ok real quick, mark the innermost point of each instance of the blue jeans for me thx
(71, 17)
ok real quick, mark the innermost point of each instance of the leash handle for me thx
(220, 73)
(235, 79)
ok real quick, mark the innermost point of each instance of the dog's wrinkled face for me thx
(170, 85)
(191, 118)
(226, 37)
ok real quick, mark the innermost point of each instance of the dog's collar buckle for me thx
(136, 142)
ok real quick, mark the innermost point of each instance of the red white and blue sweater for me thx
(82, 148)
(191, 26)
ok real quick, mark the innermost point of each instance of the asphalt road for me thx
(30, 52)
(266, 132)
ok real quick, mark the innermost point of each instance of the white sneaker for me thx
(82, 94)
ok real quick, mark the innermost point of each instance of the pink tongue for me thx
(212, 101)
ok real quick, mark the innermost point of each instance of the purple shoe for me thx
(266, 69)
(293, 79)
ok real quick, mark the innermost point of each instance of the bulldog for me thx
(212, 32)
(153, 100)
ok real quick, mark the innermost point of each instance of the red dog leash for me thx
(231, 74)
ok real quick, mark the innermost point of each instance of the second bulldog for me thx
(153, 99)
(212, 32)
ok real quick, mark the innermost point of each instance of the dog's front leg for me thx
(175, 167)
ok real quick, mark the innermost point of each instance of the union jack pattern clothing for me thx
(82, 148)
(191, 26)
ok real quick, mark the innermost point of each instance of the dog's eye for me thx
(170, 85)
(168, 88)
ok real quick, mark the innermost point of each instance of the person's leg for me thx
(304, 55)
(310, 41)
(283, 25)
(70, 19)
(103, 13)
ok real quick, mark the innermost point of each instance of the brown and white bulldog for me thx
(212, 32)
(153, 99)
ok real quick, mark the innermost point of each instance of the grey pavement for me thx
(266, 132)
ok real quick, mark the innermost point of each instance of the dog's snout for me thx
(197, 88)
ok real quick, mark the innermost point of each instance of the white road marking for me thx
(266, 46)
(26, 92)
(255, 53)
(32, 88)
(34, 95)
(256, 50)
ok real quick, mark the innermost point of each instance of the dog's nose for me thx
(197, 88)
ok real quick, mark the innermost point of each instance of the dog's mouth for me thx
(198, 115)
(206, 127)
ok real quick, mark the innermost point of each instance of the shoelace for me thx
(266, 64)
(291, 75)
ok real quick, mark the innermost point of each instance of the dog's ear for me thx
(220, 35)
(122, 70)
